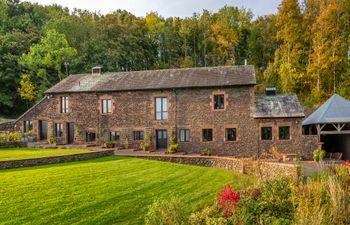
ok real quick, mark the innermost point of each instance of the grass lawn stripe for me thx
(27, 153)
(111, 190)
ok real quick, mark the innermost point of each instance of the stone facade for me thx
(187, 109)
(6, 125)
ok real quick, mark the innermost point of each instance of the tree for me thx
(44, 62)
(26, 88)
(330, 45)
(291, 52)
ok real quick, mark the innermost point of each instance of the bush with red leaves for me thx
(228, 199)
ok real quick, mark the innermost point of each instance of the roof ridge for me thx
(328, 103)
(168, 69)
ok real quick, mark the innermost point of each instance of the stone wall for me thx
(187, 109)
(235, 165)
(7, 125)
(135, 111)
(265, 170)
(13, 144)
(292, 146)
(10, 164)
(309, 144)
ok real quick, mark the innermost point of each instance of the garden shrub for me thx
(268, 203)
(148, 142)
(126, 142)
(3, 137)
(319, 154)
(14, 136)
(207, 152)
(174, 146)
(209, 215)
(167, 212)
(173, 139)
(109, 144)
(324, 199)
(52, 140)
(343, 172)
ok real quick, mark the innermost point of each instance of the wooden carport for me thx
(331, 122)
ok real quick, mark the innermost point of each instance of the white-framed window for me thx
(58, 130)
(64, 104)
(106, 106)
(28, 125)
(161, 108)
(184, 135)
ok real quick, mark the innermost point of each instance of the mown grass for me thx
(25, 153)
(111, 190)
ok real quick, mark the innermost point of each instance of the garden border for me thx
(19, 163)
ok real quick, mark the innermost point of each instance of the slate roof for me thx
(334, 110)
(158, 79)
(3, 121)
(277, 106)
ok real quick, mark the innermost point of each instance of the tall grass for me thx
(323, 201)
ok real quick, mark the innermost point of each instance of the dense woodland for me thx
(304, 48)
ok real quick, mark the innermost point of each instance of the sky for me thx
(179, 8)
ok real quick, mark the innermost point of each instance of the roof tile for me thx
(158, 79)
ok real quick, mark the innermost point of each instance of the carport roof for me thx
(334, 110)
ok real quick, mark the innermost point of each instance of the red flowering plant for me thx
(228, 200)
(343, 171)
(344, 168)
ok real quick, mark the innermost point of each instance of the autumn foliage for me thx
(228, 200)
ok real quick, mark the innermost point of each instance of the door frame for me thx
(41, 136)
(69, 133)
(164, 139)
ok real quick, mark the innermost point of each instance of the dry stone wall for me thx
(10, 164)
(265, 170)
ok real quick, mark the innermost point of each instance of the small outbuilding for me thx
(331, 122)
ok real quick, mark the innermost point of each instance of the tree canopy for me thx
(304, 48)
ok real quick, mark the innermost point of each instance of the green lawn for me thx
(111, 190)
(25, 153)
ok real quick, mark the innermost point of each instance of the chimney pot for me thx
(270, 91)
(97, 70)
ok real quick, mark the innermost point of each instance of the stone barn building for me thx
(212, 107)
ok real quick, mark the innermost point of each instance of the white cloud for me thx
(181, 8)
